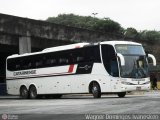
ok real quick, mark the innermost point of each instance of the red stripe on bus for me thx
(77, 46)
(70, 70)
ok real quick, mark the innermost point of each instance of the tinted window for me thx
(110, 60)
(66, 57)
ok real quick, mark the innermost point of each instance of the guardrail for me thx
(3, 89)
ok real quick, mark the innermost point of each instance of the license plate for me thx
(138, 88)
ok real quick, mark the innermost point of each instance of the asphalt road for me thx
(77, 107)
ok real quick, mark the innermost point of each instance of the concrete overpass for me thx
(33, 34)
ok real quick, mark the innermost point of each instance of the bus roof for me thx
(72, 46)
(120, 42)
(52, 49)
(65, 47)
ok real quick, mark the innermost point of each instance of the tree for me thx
(73, 20)
(106, 25)
(131, 33)
(150, 36)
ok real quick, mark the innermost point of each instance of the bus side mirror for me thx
(122, 60)
(153, 59)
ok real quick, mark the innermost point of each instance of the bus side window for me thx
(63, 61)
(80, 59)
(20, 64)
(29, 65)
(77, 56)
(47, 62)
(26, 64)
(39, 63)
(89, 54)
(63, 58)
(17, 66)
(51, 62)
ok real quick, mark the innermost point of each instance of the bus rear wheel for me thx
(23, 92)
(121, 94)
(32, 92)
(96, 91)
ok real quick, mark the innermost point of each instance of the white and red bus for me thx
(105, 67)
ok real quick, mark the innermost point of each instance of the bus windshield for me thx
(135, 61)
(130, 49)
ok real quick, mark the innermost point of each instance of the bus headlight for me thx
(148, 82)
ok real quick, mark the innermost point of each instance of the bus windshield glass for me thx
(130, 49)
(135, 61)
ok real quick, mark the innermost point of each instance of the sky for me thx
(139, 14)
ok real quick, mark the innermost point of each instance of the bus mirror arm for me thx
(153, 59)
(122, 60)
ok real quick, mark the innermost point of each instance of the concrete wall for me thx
(27, 30)
(28, 27)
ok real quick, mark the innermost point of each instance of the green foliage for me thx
(73, 20)
(87, 22)
(106, 26)
(150, 36)
(131, 33)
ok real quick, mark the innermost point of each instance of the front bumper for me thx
(135, 87)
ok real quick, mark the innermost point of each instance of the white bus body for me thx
(105, 67)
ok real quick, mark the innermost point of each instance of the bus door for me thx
(110, 64)
(114, 73)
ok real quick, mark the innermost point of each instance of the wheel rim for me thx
(24, 93)
(94, 90)
(33, 93)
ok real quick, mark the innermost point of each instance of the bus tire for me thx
(121, 94)
(32, 92)
(96, 91)
(23, 92)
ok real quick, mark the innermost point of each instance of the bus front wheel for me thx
(32, 92)
(23, 92)
(121, 94)
(96, 91)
